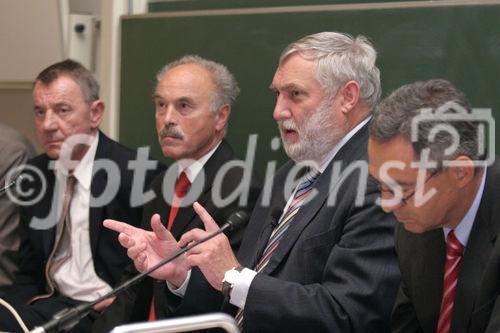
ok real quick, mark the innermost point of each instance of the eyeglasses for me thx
(406, 198)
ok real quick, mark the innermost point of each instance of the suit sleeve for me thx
(122, 310)
(13, 155)
(494, 321)
(404, 316)
(356, 289)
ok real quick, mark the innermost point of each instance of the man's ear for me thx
(349, 94)
(464, 172)
(96, 113)
(222, 117)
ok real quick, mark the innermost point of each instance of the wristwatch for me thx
(230, 278)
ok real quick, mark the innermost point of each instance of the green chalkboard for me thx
(169, 5)
(459, 43)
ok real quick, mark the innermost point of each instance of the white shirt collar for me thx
(329, 157)
(463, 229)
(83, 171)
(192, 169)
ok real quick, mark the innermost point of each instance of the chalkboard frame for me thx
(459, 43)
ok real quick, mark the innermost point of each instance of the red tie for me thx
(181, 188)
(454, 251)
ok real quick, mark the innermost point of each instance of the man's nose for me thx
(281, 109)
(170, 116)
(50, 121)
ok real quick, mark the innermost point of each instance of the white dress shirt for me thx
(76, 277)
(463, 229)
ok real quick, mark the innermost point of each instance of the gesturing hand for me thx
(147, 248)
(215, 256)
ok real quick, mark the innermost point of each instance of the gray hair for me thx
(77, 72)
(395, 115)
(340, 58)
(226, 86)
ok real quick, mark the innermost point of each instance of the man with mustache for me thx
(317, 258)
(193, 100)
(446, 201)
(66, 256)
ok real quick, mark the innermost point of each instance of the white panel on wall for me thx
(30, 38)
(81, 39)
(85, 7)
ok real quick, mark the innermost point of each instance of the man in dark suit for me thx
(319, 256)
(425, 150)
(66, 256)
(193, 101)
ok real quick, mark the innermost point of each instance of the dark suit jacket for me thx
(422, 258)
(134, 304)
(108, 255)
(335, 270)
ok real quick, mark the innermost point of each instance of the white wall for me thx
(30, 38)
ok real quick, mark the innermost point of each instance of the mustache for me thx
(172, 132)
(288, 124)
(53, 137)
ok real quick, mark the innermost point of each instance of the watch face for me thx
(231, 276)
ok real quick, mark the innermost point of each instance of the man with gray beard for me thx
(319, 257)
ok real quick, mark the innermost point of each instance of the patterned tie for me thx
(302, 190)
(62, 245)
(454, 251)
(181, 188)
(301, 193)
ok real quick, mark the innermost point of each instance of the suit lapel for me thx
(186, 214)
(472, 268)
(427, 277)
(277, 204)
(46, 205)
(304, 216)
(184, 218)
(97, 186)
(475, 260)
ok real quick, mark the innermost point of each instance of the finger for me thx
(141, 262)
(196, 260)
(192, 236)
(134, 251)
(102, 305)
(200, 249)
(159, 229)
(118, 226)
(125, 240)
(208, 221)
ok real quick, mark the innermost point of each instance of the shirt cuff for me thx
(239, 293)
(181, 291)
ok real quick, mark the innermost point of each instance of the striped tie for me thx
(454, 251)
(301, 193)
(302, 190)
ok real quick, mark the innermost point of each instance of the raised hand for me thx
(147, 248)
(215, 256)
